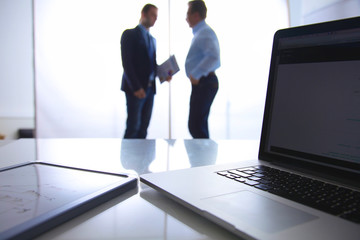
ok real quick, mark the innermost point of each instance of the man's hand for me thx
(140, 93)
(194, 81)
(168, 77)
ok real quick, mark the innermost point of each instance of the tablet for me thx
(35, 197)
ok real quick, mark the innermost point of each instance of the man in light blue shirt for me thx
(201, 62)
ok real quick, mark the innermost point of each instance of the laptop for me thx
(305, 182)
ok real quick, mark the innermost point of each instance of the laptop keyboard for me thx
(329, 198)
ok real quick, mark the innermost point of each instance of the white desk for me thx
(141, 213)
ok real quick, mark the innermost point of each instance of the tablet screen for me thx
(37, 190)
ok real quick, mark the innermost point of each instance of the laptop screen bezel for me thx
(297, 157)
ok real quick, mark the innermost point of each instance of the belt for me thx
(209, 75)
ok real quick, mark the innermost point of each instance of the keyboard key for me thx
(240, 174)
(240, 179)
(247, 169)
(228, 175)
(254, 178)
(258, 175)
(251, 182)
(262, 187)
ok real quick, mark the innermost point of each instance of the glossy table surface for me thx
(141, 213)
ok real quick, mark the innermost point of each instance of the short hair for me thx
(199, 7)
(147, 8)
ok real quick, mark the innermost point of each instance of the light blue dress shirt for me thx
(204, 52)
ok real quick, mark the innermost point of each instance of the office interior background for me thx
(60, 63)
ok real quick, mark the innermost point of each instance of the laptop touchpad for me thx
(259, 211)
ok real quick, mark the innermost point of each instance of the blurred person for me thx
(201, 62)
(138, 54)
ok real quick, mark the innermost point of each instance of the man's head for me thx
(196, 12)
(148, 15)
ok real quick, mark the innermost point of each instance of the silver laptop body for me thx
(311, 128)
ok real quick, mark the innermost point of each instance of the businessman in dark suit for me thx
(138, 53)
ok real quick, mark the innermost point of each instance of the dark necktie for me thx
(151, 51)
(150, 46)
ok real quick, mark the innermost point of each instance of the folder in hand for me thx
(168, 68)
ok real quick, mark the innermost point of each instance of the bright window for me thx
(78, 66)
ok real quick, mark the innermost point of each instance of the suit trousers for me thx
(202, 96)
(139, 114)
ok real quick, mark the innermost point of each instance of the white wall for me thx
(16, 67)
(314, 11)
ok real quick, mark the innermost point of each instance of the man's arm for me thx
(127, 55)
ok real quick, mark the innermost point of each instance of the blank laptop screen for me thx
(314, 101)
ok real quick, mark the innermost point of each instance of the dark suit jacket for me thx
(136, 61)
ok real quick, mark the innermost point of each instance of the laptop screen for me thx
(312, 108)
